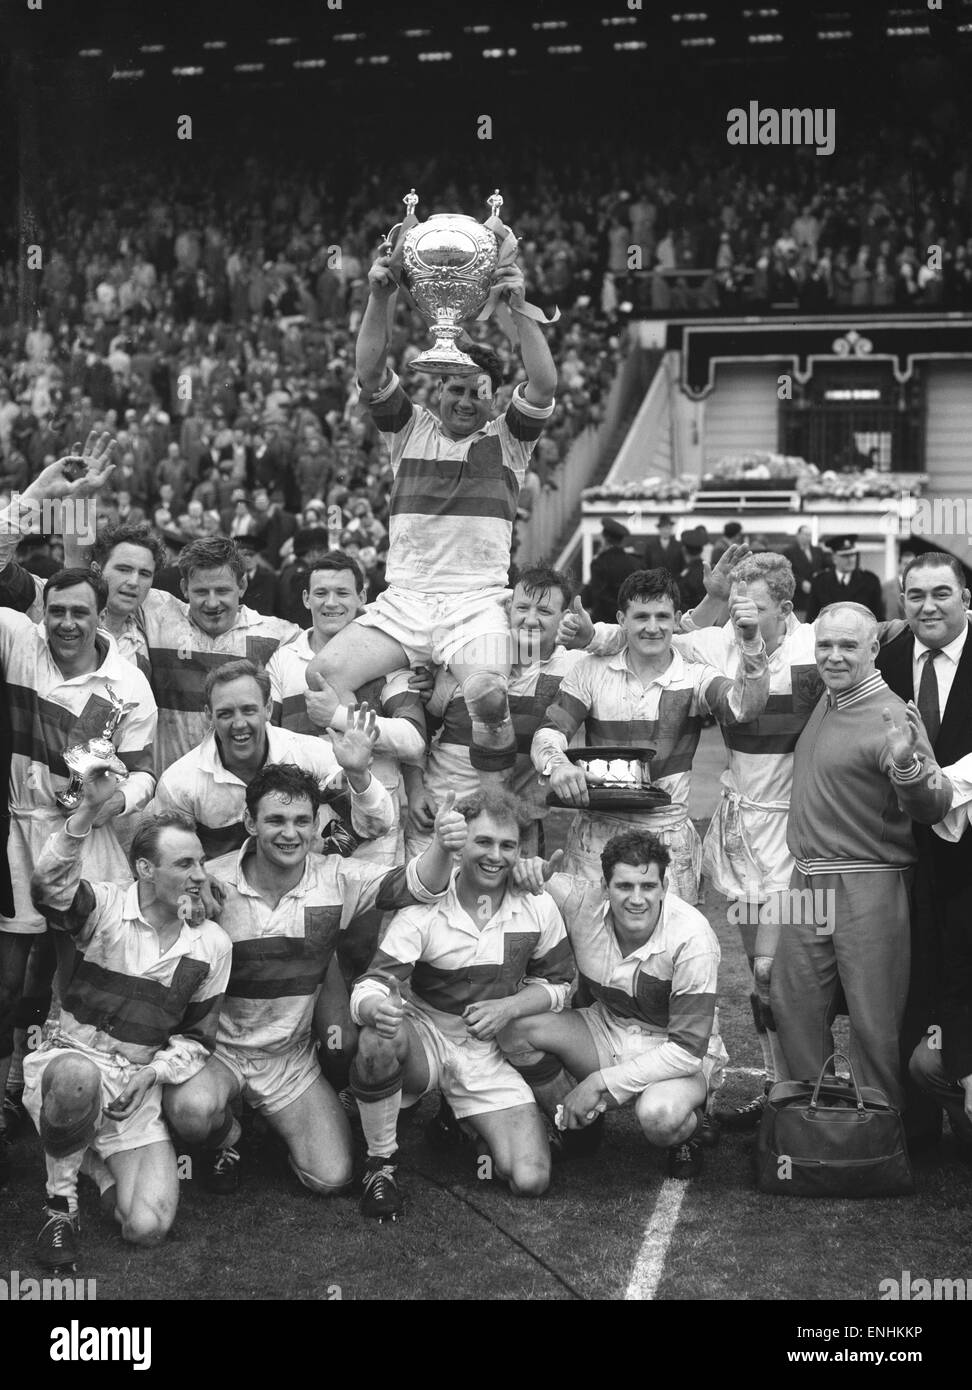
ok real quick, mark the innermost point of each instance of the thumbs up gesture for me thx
(744, 613)
(576, 628)
(451, 830)
(532, 875)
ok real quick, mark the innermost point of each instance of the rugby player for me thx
(334, 595)
(648, 694)
(138, 1011)
(649, 961)
(475, 961)
(59, 675)
(540, 598)
(453, 503)
(285, 908)
(209, 783)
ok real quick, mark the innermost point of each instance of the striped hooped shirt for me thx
(124, 995)
(605, 695)
(453, 502)
(203, 787)
(532, 690)
(182, 656)
(668, 985)
(450, 962)
(281, 954)
(50, 714)
(400, 713)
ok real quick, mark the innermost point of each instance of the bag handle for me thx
(834, 1057)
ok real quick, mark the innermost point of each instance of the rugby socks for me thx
(493, 738)
(228, 1134)
(546, 1078)
(379, 1104)
(62, 1178)
(762, 1033)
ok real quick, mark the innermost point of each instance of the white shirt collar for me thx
(953, 650)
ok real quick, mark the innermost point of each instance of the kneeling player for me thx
(649, 961)
(138, 1011)
(283, 912)
(476, 961)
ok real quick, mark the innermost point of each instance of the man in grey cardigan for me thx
(863, 770)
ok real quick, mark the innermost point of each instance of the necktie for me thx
(928, 697)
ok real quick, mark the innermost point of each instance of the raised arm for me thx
(371, 349)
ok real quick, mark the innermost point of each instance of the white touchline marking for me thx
(744, 1071)
(650, 1264)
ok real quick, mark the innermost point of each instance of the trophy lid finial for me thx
(411, 202)
(495, 202)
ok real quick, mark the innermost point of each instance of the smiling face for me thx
(333, 600)
(128, 572)
(180, 870)
(214, 599)
(283, 828)
(534, 618)
(465, 404)
(489, 854)
(648, 625)
(935, 605)
(636, 892)
(844, 649)
(71, 620)
(240, 717)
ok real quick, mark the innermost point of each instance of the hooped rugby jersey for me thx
(50, 714)
(203, 787)
(450, 962)
(182, 656)
(668, 986)
(453, 502)
(604, 695)
(281, 954)
(532, 689)
(400, 713)
(123, 995)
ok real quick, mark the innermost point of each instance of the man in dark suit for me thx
(931, 663)
(262, 585)
(663, 552)
(691, 580)
(609, 569)
(845, 581)
(806, 560)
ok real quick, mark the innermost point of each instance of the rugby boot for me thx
(685, 1160)
(57, 1241)
(743, 1118)
(380, 1197)
(222, 1173)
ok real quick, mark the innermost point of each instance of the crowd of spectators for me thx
(207, 315)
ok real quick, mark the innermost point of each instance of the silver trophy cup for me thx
(447, 267)
(83, 756)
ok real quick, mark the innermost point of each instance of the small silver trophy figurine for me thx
(447, 267)
(84, 756)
